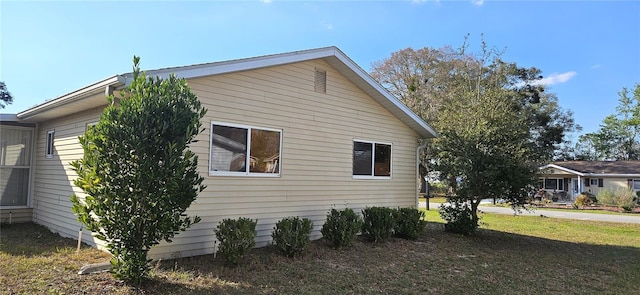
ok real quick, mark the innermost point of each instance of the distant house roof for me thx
(598, 168)
(92, 95)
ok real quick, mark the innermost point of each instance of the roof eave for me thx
(330, 54)
(562, 168)
(612, 175)
(32, 113)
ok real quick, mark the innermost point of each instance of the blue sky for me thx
(588, 50)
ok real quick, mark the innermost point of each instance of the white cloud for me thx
(477, 2)
(595, 66)
(266, 1)
(327, 26)
(556, 78)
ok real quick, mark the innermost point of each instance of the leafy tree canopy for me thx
(497, 122)
(618, 137)
(5, 95)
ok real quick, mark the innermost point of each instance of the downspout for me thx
(418, 180)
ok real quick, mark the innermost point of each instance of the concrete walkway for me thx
(635, 218)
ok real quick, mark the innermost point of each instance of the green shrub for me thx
(409, 223)
(236, 237)
(606, 197)
(378, 223)
(292, 235)
(625, 198)
(621, 197)
(341, 227)
(458, 216)
(583, 200)
(638, 197)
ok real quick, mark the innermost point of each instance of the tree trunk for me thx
(474, 211)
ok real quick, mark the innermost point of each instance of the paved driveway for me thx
(635, 218)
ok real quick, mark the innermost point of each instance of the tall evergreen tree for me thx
(138, 173)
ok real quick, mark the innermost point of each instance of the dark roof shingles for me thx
(602, 167)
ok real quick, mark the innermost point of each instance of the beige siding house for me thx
(291, 134)
(574, 177)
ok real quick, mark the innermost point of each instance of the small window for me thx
(244, 150)
(593, 181)
(49, 152)
(636, 184)
(371, 159)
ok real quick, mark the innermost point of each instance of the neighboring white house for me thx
(575, 177)
(329, 136)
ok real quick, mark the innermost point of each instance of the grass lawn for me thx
(508, 255)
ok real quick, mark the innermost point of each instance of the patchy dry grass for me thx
(509, 255)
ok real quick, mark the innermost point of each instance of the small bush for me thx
(591, 197)
(409, 223)
(583, 200)
(378, 223)
(623, 198)
(292, 235)
(236, 237)
(606, 197)
(341, 227)
(458, 216)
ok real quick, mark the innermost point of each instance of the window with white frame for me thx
(554, 184)
(244, 150)
(636, 184)
(593, 181)
(49, 146)
(371, 159)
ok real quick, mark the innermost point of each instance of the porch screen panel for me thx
(14, 186)
(15, 163)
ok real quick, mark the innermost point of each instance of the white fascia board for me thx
(242, 64)
(588, 174)
(562, 168)
(613, 175)
(76, 95)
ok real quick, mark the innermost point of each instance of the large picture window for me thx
(244, 150)
(371, 159)
(552, 184)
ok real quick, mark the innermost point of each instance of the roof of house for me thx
(598, 168)
(93, 95)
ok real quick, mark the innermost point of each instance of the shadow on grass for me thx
(489, 262)
(30, 239)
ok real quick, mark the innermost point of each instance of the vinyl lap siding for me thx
(316, 163)
(318, 130)
(53, 178)
(16, 215)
